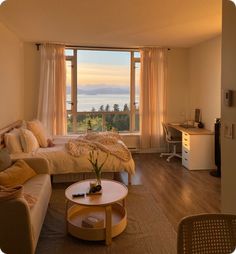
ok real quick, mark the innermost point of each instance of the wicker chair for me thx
(207, 234)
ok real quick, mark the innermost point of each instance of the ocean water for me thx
(87, 102)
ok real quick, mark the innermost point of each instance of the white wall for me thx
(228, 180)
(177, 85)
(11, 77)
(31, 82)
(194, 81)
(205, 81)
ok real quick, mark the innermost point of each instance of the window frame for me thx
(132, 112)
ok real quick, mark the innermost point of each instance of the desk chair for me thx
(207, 233)
(173, 141)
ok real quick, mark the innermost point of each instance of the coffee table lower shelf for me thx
(76, 213)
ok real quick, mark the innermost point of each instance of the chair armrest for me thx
(16, 235)
(39, 165)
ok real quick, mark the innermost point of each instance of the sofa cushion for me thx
(40, 187)
(5, 159)
(17, 174)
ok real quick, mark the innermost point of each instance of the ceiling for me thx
(115, 23)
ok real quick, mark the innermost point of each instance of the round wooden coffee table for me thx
(108, 206)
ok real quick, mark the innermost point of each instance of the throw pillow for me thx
(12, 141)
(28, 141)
(5, 159)
(39, 131)
(17, 174)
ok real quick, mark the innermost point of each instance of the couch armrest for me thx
(39, 165)
(16, 235)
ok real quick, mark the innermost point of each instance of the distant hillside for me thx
(100, 90)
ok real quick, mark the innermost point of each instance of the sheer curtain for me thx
(52, 90)
(152, 97)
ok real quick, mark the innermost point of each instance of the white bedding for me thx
(61, 162)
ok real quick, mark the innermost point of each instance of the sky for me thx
(103, 68)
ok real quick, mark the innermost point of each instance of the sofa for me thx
(20, 225)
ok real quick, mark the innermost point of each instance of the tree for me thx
(107, 108)
(69, 123)
(101, 108)
(116, 107)
(126, 108)
(93, 109)
(89, 125)
(121, 122)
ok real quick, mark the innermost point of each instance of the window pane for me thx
(137, 54)
(136, 122)
(119, 122)
(85, 121)
(137, 84)
(103, 80)
(69, 123)
(69, 52)
(68, 84)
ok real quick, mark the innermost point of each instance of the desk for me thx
(197, 147)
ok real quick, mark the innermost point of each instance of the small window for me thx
(69, 52)
(137, 54)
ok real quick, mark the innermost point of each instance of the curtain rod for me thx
(93, 47)
(98, 48)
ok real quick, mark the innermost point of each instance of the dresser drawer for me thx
(186, 145)
(185, 153)
(185, 137)
(185, 162)
(186, 140)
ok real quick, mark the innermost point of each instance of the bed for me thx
(62, 162)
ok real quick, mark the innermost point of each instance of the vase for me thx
(98, 178)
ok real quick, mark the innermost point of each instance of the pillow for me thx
(5, 159)
(28, 141)
(39, 132)
(17, 174)
(12, 141)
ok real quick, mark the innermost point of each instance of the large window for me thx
(102, 90)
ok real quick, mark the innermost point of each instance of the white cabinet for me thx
(198, 151)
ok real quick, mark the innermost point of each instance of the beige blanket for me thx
(60, 161)
(106, 142)
(10, 193)
(16, 192)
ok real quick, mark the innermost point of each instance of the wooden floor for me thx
(177, 191)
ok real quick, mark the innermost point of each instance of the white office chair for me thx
(171, 141)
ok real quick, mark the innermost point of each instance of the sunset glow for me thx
(101, 68)
(97, 74)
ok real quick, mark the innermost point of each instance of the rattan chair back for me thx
(207, 234)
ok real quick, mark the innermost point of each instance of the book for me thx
(92, 222)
